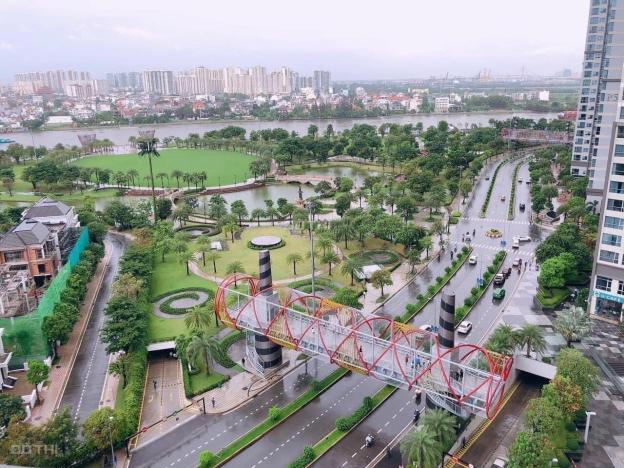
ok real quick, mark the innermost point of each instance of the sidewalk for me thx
(59, 373)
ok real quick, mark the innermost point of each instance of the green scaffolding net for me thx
(23, 335)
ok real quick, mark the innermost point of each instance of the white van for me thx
(515, 243)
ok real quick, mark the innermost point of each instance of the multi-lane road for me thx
(212, 432)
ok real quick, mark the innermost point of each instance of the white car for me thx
(464, 327)
(523, 239)
(516, 262)
(472, 260)
(502, 197)
(426, 328)
(515, 244)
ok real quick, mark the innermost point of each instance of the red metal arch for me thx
(399, 337)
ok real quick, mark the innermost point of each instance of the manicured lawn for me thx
(75, 198)
(220, 166)
(552, 297)
(371, 243)
(201, 380)
(171, 276)
(280, 269)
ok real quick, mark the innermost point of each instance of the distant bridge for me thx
(304, 179)
(536, 136)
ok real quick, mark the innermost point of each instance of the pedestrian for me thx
(213, 402)
(360, 350)
(243, 361)
(463, 442)
(154, 382)
(451, 255)
(406, 359)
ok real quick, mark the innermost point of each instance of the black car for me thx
(522, 206)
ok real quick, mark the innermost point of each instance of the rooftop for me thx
(24, 234)
(46, 207)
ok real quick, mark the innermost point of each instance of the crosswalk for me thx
(497, 220)
(496, 248)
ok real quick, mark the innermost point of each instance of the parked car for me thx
(464, 327)
(498, 294)
(502, 197)
(522, 207)
(499, 279)
(523, 239)
(472, 260)
(507, 272)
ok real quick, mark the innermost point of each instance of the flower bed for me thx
(167, 308)
(494, 233)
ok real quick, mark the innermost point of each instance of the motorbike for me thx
(370, 440)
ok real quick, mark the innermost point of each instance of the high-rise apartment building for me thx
(322, 80)
(159, 82)
(53, 80)
(601, 77)
(130, 80)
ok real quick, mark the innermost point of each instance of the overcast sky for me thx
(354, 39)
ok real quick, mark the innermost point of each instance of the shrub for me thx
(491, 269)
(453, 220)
(419, 298)
(275, 413)
(345, 423)
(570, 426)
(474, 291)
(465, 250)
(454, 263)
(448, 269)
(469, 301)
(456, 214)
(547, 360)
(304, 459)
(206, 459)
(439, 279)
(431, 290)
(572, 443)
(316, 386)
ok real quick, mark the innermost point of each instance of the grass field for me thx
(222, 167)
(280, 269)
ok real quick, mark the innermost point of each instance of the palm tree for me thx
(176, 174)
(426, 243)
(258, 213)
(132, 174)
(147, 147)
(351, 266)
(272, 213)
(531, 336)
(573, 323)
(324, 242)
(421, 449)
(294, 258)
(161, 176)
(441, 424)
(344, 229)
(503, 340)
(329, 258)
(235, 267)
(230, 228)
(186, 257)
(198, 318)
(201, 349)
(213, 257)
(203, 246)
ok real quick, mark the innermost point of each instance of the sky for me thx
(353, 39)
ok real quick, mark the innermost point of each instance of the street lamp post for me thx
(310, 207)
(110, 434)
(589, 414)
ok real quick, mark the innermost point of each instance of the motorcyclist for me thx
(473, 232)
(369, 440)
(416, 416)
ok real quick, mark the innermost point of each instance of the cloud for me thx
(6, 46)
(133, 31)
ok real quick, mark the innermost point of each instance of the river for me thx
(120, 135)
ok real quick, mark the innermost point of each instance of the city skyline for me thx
(351, 42)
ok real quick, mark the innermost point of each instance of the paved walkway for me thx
(59, 373)
(182, 303)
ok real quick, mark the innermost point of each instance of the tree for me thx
(176, 174)
(239, 209)
(294, 258)
(201, 349)
(163, 206)
(10, 406)
(348, 297)
(56, 328)
(351, 266)
(120, 367)
(186, 258)
(542, 416)
(531, 336)
(413, 257)
(421, 449)
(572, 364)
(233, 268)
(125, 328)
(343, 230)
(564, 394)
(343, 203)
(206, 459)
(127, 286)
(573, 323)
(441, 424)
(147, 147)
(100, 425)
(198, 318)
(426, 243)
(381, 278)
(465, 187)
(231, 228)
(503, 340)
(257, 213)
(437, 227)
(37, 373)
(213, 256)
(530, 450)
(329, 258)
(216, 207)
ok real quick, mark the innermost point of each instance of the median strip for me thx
(512, 198)
(343, 427)
(276, 417)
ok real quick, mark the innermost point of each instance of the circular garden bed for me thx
(377, 257)
(494, 233)
(180, 303)
(196, 231)
(266, 243)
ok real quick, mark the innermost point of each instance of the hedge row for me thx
(210, 292)
(345, 423)
(59, 325)
(304, 459)
(168, 309)
(512, 197)
(221, 356)
(307, 282)
(423, 299)
(491, 188)
(478, 291)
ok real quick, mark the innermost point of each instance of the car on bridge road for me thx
(498, 294)
(464, 328)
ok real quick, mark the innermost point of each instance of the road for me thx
(86, 381)
(348, 452)
(182, 446)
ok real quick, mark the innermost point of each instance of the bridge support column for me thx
(447, 329)
(269, 354)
